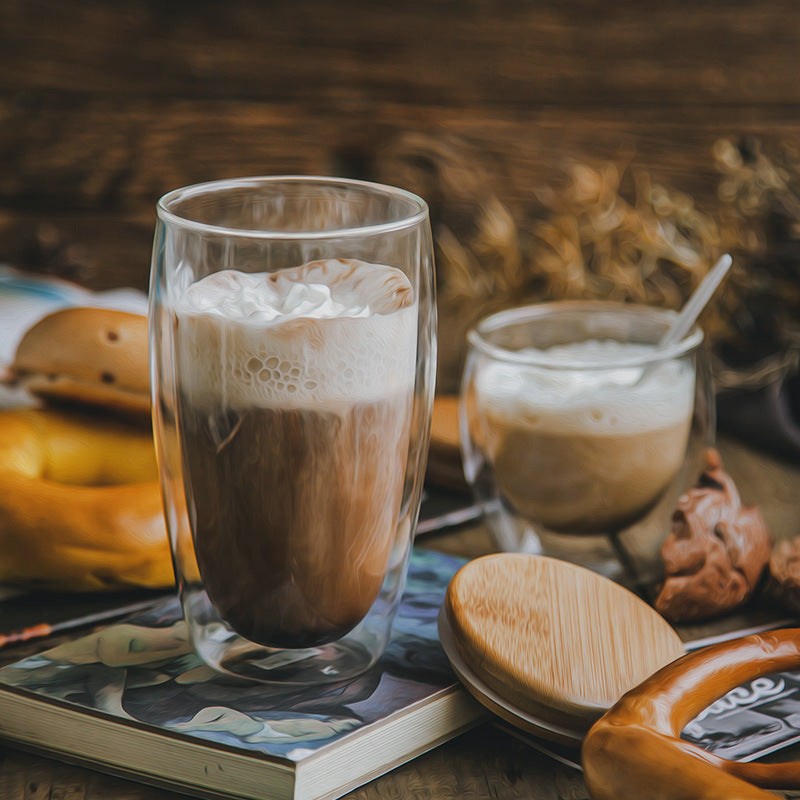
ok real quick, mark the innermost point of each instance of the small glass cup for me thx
(292, 324)
(579, 432)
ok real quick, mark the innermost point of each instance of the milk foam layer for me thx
(329, 331)
(594, 400)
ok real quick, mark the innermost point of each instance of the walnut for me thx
(716, 552)
(783, 581)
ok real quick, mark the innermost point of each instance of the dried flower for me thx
(587, 237)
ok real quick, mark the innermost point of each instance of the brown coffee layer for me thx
(294, 513)
(581, 482)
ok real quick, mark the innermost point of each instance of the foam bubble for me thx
(613, 400)
(327, 332)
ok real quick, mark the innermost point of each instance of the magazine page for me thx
(751, 721)
(143, 670)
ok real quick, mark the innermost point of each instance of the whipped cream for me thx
(338, 330)
(243, 296)
(586, 396)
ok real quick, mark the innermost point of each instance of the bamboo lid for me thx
(553, 639)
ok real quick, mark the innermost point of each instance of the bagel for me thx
(635, 749)
(88, 357)
(80, 503)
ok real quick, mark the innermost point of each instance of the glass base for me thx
(610, 555)
(593, 552)
(231, 655)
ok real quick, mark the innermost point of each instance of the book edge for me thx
(183, 763)
(442, 716)
(113, 745)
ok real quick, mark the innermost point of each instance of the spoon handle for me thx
(697, 302)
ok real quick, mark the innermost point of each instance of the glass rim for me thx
(166, 215)
(538, 311)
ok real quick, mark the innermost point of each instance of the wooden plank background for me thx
(105, 106)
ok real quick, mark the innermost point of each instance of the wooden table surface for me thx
(483, 763)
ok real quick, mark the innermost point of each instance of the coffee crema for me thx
(584, 448)
(295, 398)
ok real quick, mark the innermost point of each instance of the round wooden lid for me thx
(556, 640)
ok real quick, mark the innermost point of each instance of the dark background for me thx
(105, 106)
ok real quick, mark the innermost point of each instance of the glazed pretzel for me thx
(634, 750)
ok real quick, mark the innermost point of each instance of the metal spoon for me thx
(696, 303)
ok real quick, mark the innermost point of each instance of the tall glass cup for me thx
(579, 431)
(292, 332)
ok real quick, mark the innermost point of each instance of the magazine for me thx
(132, 699)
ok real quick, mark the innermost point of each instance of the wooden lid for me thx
(499, 706)
(557, 640)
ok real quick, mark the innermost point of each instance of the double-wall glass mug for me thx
(579, 431)
(292, 335)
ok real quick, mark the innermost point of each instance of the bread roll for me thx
(87, 356)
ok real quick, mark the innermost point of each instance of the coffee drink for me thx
(589, 449)
(295, 398)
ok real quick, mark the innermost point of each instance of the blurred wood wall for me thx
(105, 106)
